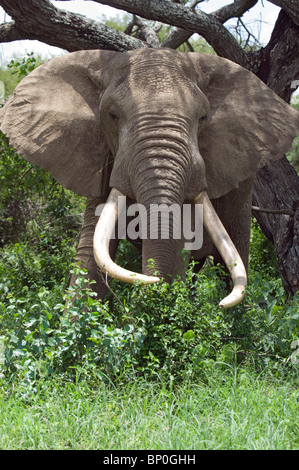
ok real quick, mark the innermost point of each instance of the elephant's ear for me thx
(249, 126)
(52, 120)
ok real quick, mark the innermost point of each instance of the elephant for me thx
(153, 127)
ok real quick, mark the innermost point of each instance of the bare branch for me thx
(273, 211)
(39, 19)
(239, 32)
(190, 47)
(178, 15)
(73, 31)
(9, 32)
(146, 33)
(291, 7)
(176, 38)
(234, 10)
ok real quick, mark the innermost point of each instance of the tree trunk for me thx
(277, 184)
(272, 188)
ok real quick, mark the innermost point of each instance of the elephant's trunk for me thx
(161, 165)
(162, 178)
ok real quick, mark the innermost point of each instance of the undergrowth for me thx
(177, 332)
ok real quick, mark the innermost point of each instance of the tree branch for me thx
(145, 33)
(291, 7)
(176, 38)
(273, 211)
(9, 32)
(39, 19)
(279, 60)
(178, 15)
(234, 10)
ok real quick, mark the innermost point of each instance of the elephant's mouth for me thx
(212, 223)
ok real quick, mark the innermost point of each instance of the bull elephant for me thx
(159, 127)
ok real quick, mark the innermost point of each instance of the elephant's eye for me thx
(113, 114)
(202, 118)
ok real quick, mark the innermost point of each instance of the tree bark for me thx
(277, 185)
(279, 60)
(181, 16)
(291, 7)
(39, 19)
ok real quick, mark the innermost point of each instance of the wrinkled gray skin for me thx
(159, 126)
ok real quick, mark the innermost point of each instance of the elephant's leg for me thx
(84, 254)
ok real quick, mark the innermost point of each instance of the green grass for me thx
(231, 409)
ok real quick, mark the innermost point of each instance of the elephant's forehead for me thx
(145, 62)
(148, 72)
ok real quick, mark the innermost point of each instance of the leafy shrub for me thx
(183, 329)
(174, 331)
(42, 340)
(262, 255)
(31, 201)
(22, 67)
(12, 73)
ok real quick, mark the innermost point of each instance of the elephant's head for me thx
(172, 126)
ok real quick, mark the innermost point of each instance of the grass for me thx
(232, 409)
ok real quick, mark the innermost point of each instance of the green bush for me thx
(32, 203)
(12, 73)
(154, 331)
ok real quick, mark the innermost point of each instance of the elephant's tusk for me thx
(226, 249)
(102, 236)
